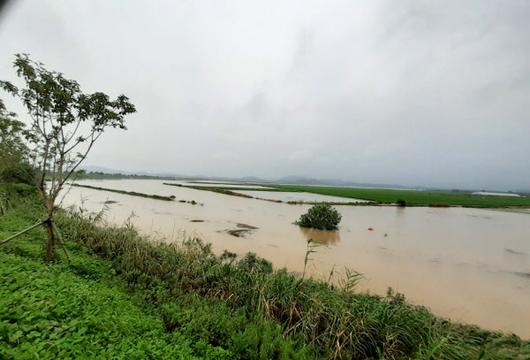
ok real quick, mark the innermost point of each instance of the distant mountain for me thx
(90, 168)
(105, 170)
(302, 180)
(291, 179)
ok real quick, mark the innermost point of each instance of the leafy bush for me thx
(49, 313)
(401, 203)
(320, 216)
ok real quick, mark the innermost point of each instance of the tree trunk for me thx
(50, 246)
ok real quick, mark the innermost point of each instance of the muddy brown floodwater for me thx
(469, 265)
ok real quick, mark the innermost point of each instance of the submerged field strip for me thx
(131, 193)
(271, 194)
(391, 196)
(358, 196)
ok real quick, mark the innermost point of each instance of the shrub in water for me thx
(320, 216)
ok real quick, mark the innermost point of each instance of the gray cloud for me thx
(410, 92)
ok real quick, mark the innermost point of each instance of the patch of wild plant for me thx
(336, 321)
(320, 216)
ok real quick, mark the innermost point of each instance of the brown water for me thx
(298, 196)
(469, 265)
(225, 185)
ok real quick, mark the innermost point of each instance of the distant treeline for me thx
(82, 174)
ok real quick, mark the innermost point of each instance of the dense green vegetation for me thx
(320, 216)
(132, 193)
(123, 296)
(412, 197)
(89, 307)
(14, 166)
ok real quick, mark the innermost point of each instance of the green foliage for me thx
(48, 312)
(13, 151)
(411, 197)
(65, 124)
(320, 216)
(11, 193)
(209, 321)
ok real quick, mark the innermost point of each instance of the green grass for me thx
(411, 197)
(378, 196)
(52, 312)
(122, 296)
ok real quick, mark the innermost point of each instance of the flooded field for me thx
(297, 196)
(470, 265)
(224, 185)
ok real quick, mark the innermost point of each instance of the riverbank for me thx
(220, 306)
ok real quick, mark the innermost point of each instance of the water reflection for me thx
(324, 237)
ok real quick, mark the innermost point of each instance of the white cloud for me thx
(390, 92)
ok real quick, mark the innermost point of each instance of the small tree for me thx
(65, 124)
(320, 216)
(13, 150)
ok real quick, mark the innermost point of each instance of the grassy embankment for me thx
(411, 197)
(123, 296)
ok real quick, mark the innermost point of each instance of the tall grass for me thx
(336, 321)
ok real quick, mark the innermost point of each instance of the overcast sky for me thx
(396, 92)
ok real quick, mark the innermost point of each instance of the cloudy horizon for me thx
(412, 93)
